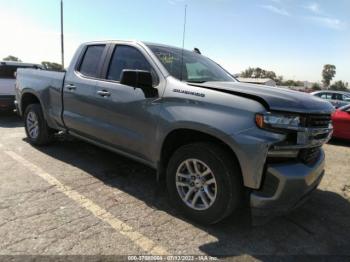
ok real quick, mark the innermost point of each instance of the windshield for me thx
(192, 67)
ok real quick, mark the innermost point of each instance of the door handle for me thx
(71, 87)
(104, 93)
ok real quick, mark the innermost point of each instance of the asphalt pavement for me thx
(73, 198)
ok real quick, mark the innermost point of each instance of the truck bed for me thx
(48, 87)
(40, 79)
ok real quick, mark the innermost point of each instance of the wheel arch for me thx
(182, 136)
(27, 99)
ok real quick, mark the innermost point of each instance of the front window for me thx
(190, 66)
(127, 57)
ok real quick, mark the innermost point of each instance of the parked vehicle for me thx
(341, 122)
(215, 140)
(7, 83)
(337, 98)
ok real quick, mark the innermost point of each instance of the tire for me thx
(37, 130)
(225, 191)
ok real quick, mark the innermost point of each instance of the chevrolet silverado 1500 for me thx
(215, 140)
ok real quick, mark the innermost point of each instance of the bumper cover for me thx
(7, 102)
(286, 186)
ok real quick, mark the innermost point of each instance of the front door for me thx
(127, 116)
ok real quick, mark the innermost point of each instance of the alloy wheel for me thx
(196, 184)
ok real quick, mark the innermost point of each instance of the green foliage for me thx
(258, 73)
(328, 74)
(339, 86)
(279, 80)
(52, 66)
(12, 59)
(316, 86)
(292, 83)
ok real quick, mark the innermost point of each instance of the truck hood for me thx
(273, 98)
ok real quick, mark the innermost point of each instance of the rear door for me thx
(79, 91)
(126, 116)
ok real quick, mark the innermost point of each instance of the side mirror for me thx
(139, 79)
(136, 78)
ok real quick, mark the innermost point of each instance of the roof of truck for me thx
(129, 41)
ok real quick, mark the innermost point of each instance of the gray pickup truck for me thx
(216, 141)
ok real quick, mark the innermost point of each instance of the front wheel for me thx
(204, 181)
(36, 128)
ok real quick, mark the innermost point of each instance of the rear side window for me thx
(8, 72)
(91, 61)
(126, 57)
(337, 97)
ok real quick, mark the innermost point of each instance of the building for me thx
(258, 81)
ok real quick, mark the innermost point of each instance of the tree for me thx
(259, 73)
(12, 58)
(316, 86)
(279, 80)
(340, 86)
(52, 66)
(328, 74)
(292, 83)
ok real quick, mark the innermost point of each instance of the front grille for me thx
(317, 120)
(310, 155)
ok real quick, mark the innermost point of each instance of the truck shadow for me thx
(321, 226)
(10, 120)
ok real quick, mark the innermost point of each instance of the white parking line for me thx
(137, 238)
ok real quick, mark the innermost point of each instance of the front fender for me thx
(232, 126)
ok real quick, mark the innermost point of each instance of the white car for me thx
(336, 98)
(7, 82)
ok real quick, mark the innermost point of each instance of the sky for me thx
(294, 38)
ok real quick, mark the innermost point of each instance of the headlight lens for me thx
(279, 121)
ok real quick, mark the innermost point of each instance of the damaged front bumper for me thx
(286, 186)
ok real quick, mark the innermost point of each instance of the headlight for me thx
(277, 121)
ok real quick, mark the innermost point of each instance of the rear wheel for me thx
(36, 127)
(204, 182)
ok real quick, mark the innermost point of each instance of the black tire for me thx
(45, 134)
(225, 169)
